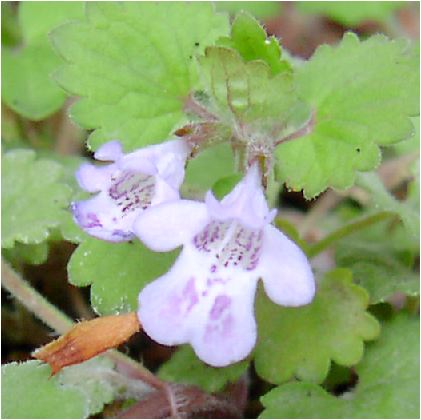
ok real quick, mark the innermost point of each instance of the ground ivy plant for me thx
(199, 128)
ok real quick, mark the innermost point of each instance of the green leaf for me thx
(39, 18)
(242, 95)
(184, 367)
(388, 385)
(69, 230)
(351, 13)
(29, 392)
(209, 166)
(249, 39)
(260, 9)
(30, 254)
(100, 383)
(225, 185)
(33, 197)
(302, 341)
(382, 267)
(116, 271)
(26, 84)
(382, 199)
(92, 379)
(132, 65)
(413, 143)
(362, 93)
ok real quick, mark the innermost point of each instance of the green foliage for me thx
(10, 33)
(208, 167)
(26, 87)
(78, 391)
(86, 378)
(100, 383)
(26, 84)
(260, 9)
(302, 341)
(69, 230)
(413, 143)
(132, 64)
(382, 199)
(28, 392)
(388, 385)
(225, 185)
(39, 18)
(351, 13)
(34, 197)
(381, 266)
(184, 367)
(30, 254)
(362, 93)
(242, 96)
(249, 39)
(116, 271)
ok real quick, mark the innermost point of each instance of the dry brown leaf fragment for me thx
(88, 339)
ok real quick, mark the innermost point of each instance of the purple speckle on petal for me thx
(216, 280)
(87, 220)
(121, 234)
(190, 294)
(132, 191)
(218, 330)
(219, 306)
(231, 243)
(92, 221)
(180, 304)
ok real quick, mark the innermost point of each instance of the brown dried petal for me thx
(87, 339)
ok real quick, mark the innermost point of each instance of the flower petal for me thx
(93, 178)
(246, 202)
(171, 169)
(165, 304)
(109, 151)
(285, 270)
(169, 225)
(99, 217)
(229, 334)
(214, 312)
(163, 193)
(160, 158)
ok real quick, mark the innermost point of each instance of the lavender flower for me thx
(128, 186)
(207, 297)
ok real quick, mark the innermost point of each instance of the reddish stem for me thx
(306, 129)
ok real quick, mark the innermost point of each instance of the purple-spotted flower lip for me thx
(207, 297)
(128, 185)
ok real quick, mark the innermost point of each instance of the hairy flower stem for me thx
(192, 106)
(346, 230)
(33, 300)
(61, 323)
